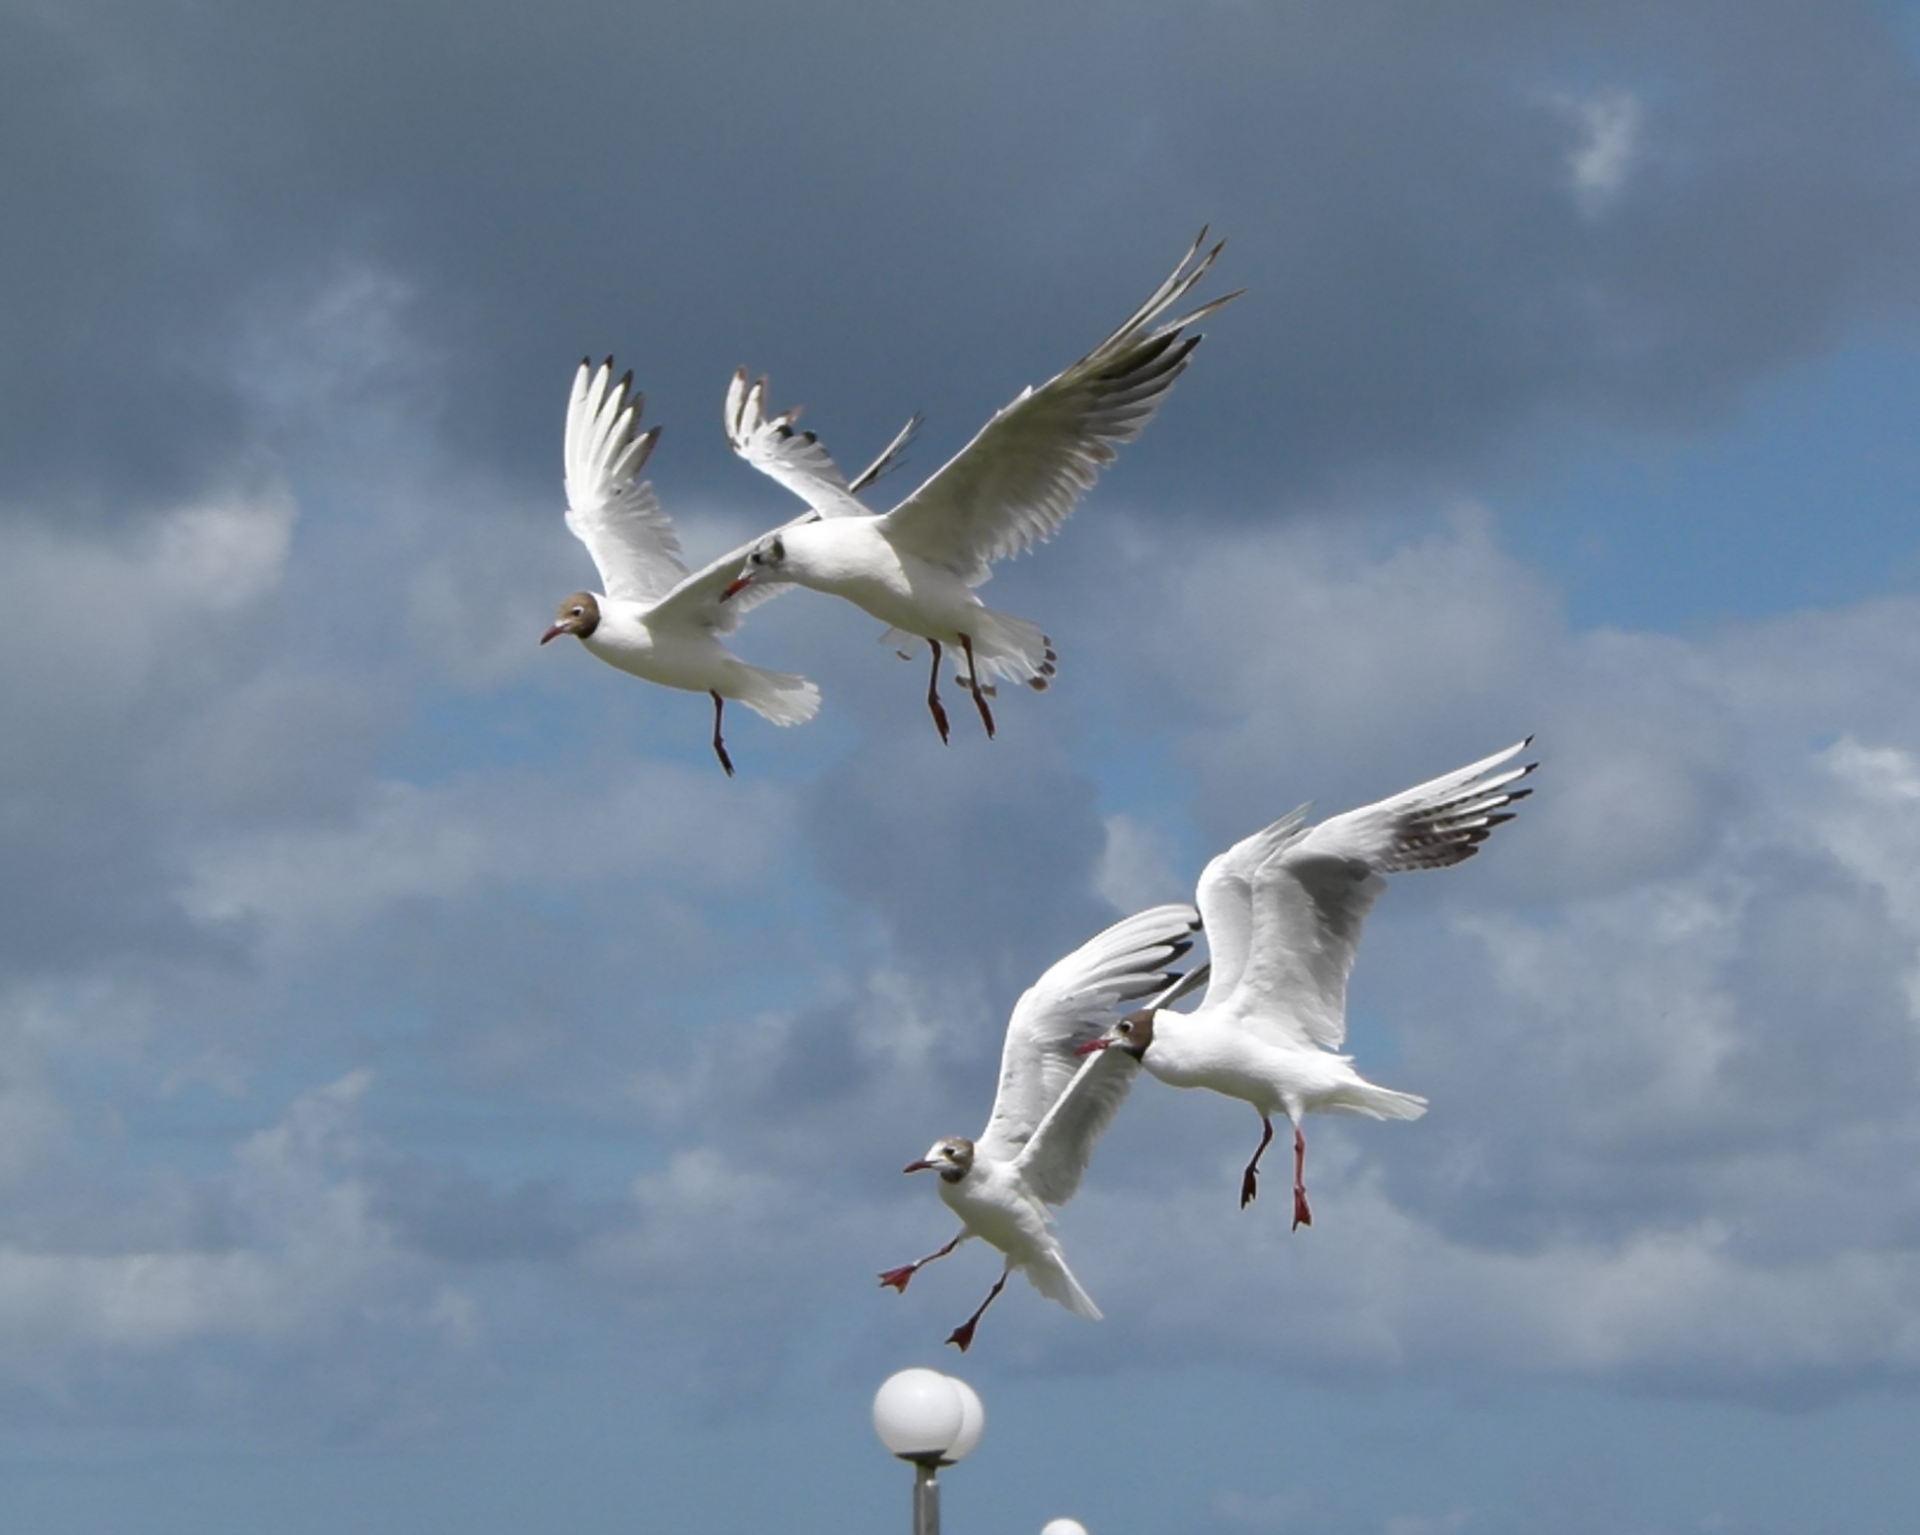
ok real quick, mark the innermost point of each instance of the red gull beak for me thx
(553, 633)
(1092, 1045)
(737, 584)
(918, 1167)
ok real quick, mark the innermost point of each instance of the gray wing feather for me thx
(1055, 1158)
(1072, 1004)
(1020, 477)
(1311, 895)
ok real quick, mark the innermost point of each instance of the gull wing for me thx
(1072, 1005)
(1225, 898)
(799, 460)
(1312, 894)
(609, 507)
(1055, 1158)
(699, 602)
(1020, 477)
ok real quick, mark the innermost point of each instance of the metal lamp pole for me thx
(926, 1497)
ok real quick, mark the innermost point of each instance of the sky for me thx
(434, 1098)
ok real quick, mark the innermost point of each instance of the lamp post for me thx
(931, 1420)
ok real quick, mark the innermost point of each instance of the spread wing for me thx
(609, 507)
(698, 601)
(799, 460)
(1055, 1158)
(1071, 1005)
(1018, 480)
(1312, 893)
(1225, 898)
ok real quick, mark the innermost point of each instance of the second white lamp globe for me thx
(973, 1421)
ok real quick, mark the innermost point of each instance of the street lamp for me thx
(932, 1420)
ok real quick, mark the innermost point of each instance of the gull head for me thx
(951, 1158)
(1133, 1034)
(579, 614)
(766, 560)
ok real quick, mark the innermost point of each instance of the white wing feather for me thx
(799, 460)
(696, 602)
(1225, 899)
(1020, 477)
(1071, 1005)
(1055, 1157)
(1312, 893)
(609, 507)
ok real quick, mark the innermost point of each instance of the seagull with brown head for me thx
(655, 620)
(1283, 911)
(1052, 1106)
(915, 567)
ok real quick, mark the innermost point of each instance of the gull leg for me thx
(1250, 1180)
(720, 746)
(1302, 1216)
(962, 1337)
(899, 1278)
(933, 694)
(973, 680)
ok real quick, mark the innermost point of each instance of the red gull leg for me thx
(720, 746)
(1302, 1216)
(973, 681)
(898, 1278)
(1250, 1182)
(933, 694)
(962, 1338)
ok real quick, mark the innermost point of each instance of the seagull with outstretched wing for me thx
(1052, 1106)
(915, 567)
(1283, 911)
(655, 619)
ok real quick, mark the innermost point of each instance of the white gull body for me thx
(1052, 1106)
(1283, 911)
(655, 619)
(915, 567)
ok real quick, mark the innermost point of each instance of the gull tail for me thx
(786, 698)
(1005, 646)
(1364, 1098)
(1053, 1279)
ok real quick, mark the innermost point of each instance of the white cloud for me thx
(86, 620)
(454, 841)
(304, 1256)
(1136, 869)
(1598, 165)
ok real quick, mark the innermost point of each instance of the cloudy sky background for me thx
(433, 1098)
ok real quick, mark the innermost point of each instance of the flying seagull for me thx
(1051, 1107)
(655, 619)
(915, 567)
(1282, 912)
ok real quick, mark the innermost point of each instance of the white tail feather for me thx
(1364, 1098)
(1053, 1279)
(783, 697)
(1005, 646)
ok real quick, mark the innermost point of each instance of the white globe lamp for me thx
(1063, 1527)
(918, 1415)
